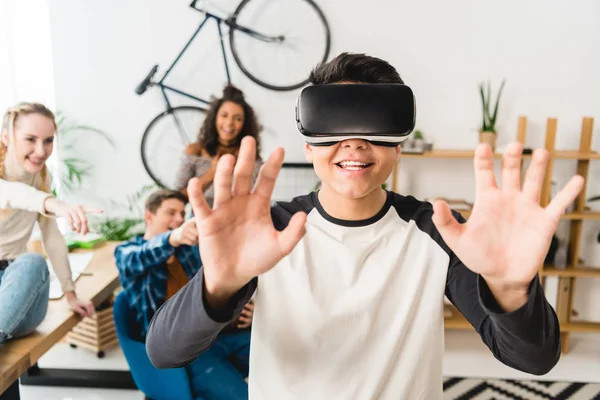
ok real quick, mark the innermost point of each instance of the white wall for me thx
(26, 63)
(548, 50)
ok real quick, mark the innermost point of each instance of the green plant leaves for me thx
(123, 228)
(71, 170)
(118, 229)
(488, 123)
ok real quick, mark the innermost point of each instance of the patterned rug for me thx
(493, 389)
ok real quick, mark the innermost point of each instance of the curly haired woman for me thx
(228, 120)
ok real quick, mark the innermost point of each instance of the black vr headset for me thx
(381, 113)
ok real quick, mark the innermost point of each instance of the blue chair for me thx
(156, 384)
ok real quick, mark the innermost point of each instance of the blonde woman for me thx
(27, 140)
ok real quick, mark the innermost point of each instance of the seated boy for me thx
(350, 280)
(153, 267)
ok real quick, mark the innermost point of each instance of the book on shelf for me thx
(89, 241)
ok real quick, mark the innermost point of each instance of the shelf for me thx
(441, 154)
(582, 155)
(457, 321)
(582, 215)
(581, 326)
(449, 153)
(588, 215)
(580, 272)
(575, 155)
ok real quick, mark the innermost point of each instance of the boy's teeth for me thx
(352, 165)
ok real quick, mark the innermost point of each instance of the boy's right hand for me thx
(237, 238)
(186, 234)
(75, 215)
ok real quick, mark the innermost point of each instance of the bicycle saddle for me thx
(383, 114)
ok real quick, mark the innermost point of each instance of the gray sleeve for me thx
(185, 326)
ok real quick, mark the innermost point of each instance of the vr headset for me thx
(383, 114)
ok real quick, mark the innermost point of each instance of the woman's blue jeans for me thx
(24, 292)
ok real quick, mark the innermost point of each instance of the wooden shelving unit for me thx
(96, 333)
(575, 267)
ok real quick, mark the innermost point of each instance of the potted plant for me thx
(414, 144)
(418, 140)
(487, 131)
(129, 223)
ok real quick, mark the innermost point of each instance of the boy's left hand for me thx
(507, 236)
(245, 318)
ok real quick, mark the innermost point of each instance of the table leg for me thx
(78, 378)
(12, 393)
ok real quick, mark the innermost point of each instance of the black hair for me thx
(354, 67)
(209, 137)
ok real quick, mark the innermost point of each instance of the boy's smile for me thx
(354, 166)
(352, 170)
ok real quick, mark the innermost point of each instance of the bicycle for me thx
(158, 144)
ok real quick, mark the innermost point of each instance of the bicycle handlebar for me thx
(141, 88)
(193, 6)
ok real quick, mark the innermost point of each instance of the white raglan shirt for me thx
(355, 311)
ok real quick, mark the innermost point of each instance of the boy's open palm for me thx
(508, 233)
(237, 238)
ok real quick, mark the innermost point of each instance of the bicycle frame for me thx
(230, 22)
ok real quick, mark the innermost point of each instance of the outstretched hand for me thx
(508, 233)
(74, 214)
(237, 238)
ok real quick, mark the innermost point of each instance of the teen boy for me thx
(156, 265)
(350, 280)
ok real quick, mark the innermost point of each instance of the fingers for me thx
(223, 180)
(71, 222)
(450, 229)
(511, 167)
(534, 177)
(248, 310)
(81, 222)
(74, 221)
(189, 237)
(90, 210)
(89, 308)
(242, 324)
(244, 168)
(484, 169)
(244, 320)
(246, 313)
(186, 234)
(197, 199)
(265, 183)
(291, 235)
(565, 197)
(81, 310)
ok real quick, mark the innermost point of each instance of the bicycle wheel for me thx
(279, 64)
(165, 139)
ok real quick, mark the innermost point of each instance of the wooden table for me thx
(18, 356)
